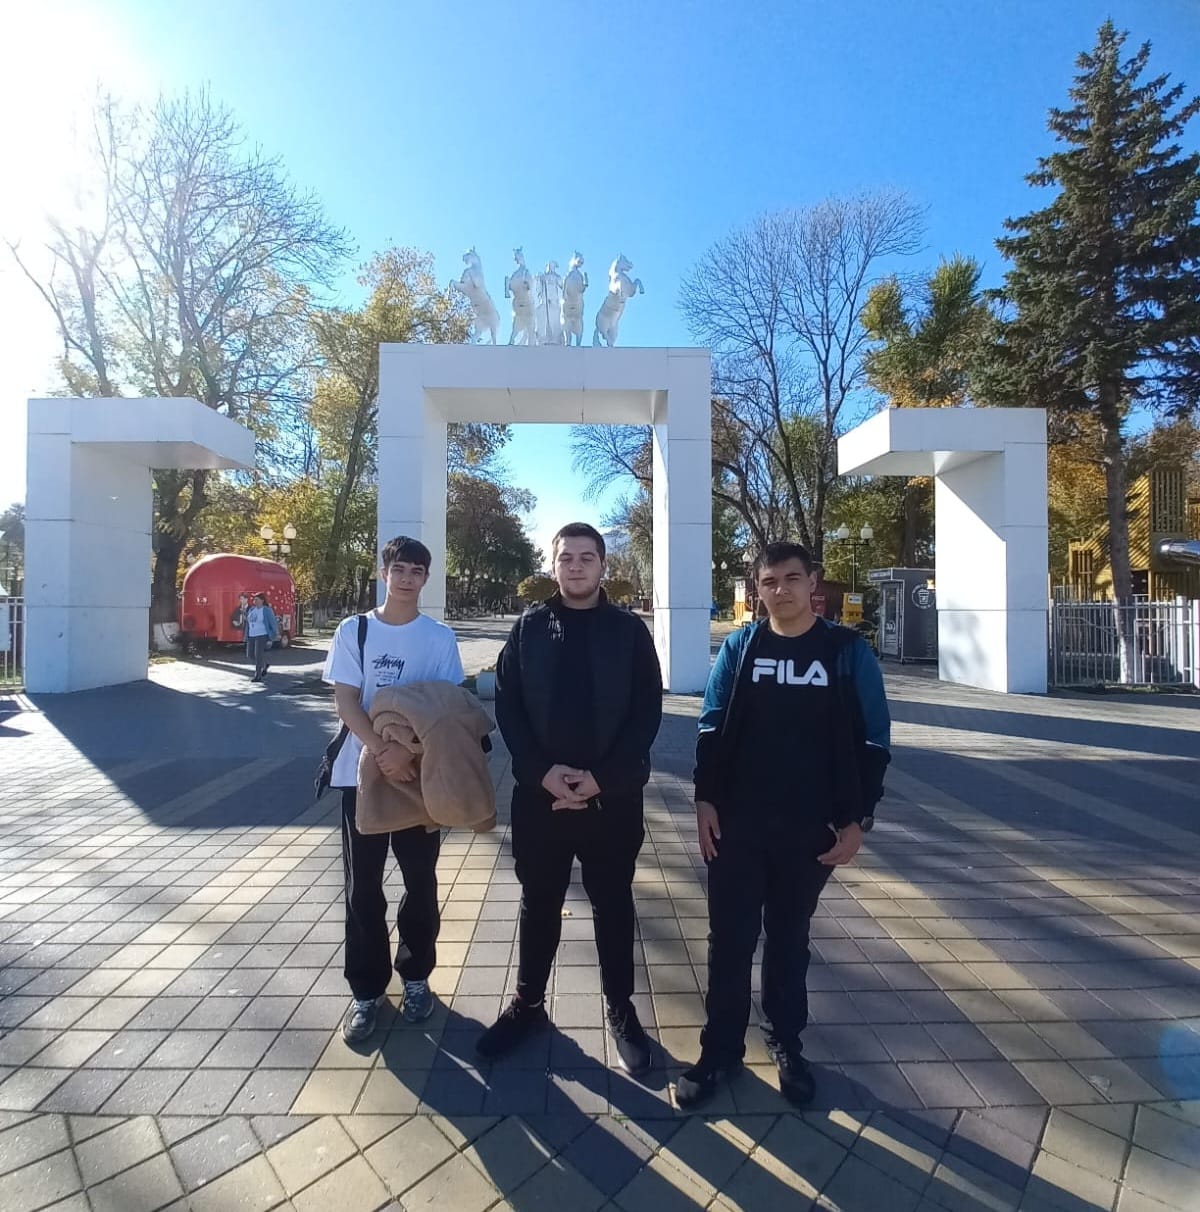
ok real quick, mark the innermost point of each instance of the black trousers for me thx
(545, 844)
(765, 877)
(368, 949)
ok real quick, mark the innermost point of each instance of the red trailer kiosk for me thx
(210, 596)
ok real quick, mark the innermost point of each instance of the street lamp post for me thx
(280, 548)
(865, 535)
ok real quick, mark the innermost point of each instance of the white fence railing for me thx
(1161, 643)
(12, 643)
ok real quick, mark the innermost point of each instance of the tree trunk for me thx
(163, 593)
(328, 571)
(911, 523)
(1116, 493)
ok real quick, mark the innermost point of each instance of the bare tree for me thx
(611, 454)
(193, 277)
(779, 303)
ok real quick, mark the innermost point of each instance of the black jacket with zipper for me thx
(626, 684)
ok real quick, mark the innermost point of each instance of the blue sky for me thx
(648, 129)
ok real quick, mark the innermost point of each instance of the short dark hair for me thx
(779, 553)
(405, 550)
(580, 530)
(262, 597)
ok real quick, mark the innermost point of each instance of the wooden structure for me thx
(1158, 510)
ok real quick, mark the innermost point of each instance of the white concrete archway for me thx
(88, 516)
(991, 531)
(424, 387)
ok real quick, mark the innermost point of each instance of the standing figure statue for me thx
(620, 288)
(549, 305)
(485, 317)
(519, 287)
(575, 283)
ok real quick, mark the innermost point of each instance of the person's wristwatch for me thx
(867, 824)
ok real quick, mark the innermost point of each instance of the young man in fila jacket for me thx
(794, 741)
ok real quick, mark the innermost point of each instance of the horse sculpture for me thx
(549, 305)
(484, 316)
(519, 287)
(574, 284)
(620, 288)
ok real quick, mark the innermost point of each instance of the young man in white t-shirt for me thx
(402, 645)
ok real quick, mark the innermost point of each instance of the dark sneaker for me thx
(699, 1083)
(632, 1043)
(796, 1082)
(418, 1002)
(518, 1020)
(358, 1024)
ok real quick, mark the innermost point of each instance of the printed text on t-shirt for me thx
(784, 672)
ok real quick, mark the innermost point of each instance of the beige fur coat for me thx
(444, 726)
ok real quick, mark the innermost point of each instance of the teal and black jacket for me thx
(862, 728)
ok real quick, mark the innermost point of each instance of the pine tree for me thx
(1101, 308)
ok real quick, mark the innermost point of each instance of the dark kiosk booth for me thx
(907, 613)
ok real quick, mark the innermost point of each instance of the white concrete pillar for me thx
(88, 559)
(412, 466)
(991, 533)
(991, 540)
(682, 497)
(89, 510)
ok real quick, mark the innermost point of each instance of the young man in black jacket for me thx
(579, 703)
(794, 740)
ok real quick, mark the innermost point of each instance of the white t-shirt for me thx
(394, 655)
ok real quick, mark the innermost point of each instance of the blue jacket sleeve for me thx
(876, 722)
(712, 714)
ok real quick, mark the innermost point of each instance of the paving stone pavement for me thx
(1006, 987)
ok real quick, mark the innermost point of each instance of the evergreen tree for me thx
(1101, 308)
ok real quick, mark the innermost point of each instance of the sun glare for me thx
(62, 54)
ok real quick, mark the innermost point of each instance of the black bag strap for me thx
(325, 769)
(362, 648)
(362, 668)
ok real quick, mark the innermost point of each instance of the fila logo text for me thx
(784, 672)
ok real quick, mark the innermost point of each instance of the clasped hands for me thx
(571, 788)
(398, 763)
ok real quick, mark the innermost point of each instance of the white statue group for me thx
(546, 309)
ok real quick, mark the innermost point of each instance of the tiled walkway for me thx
(1006, 989)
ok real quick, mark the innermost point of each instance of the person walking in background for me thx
(237, 620)
(262, 630)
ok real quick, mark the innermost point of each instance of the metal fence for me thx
(12, 643)
(1162, 643)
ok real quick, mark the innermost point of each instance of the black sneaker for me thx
(796, 1082)
(699, 1083)
(632, 1043)
(518, 1020)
